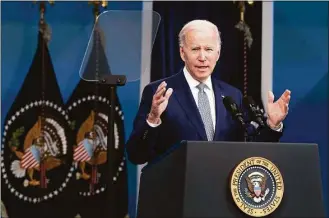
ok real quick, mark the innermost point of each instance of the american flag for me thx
(31, 158)
(83, 152)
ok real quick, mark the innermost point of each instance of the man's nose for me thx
(202, 56)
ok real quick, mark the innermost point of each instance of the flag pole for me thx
(43, 28)
(95, 34)
(247, 41)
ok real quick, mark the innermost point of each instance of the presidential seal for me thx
(36, 160)
(257, 186)
(90, 149)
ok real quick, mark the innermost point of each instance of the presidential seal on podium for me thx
(257, 186)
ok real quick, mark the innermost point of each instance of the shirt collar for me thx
(193, 83)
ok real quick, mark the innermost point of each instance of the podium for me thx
(196, 180)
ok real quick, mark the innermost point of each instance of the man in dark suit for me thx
(189, 106)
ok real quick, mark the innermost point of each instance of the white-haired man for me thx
(188, 105)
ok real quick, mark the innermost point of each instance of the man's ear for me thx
(181, 52)
(218, 54)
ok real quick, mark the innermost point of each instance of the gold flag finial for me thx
(44, 28)
(242, 7)
(242, 25)
(97, 5)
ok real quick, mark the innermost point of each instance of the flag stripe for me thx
(28, 160)
(80, 153)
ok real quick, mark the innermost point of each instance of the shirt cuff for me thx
(278, 128)
(152, 124)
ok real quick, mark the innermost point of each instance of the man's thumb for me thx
(270, 97)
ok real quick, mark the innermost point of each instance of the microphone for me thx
(254, 111)
(233, 108)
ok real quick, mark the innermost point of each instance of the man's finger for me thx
(159, 101)
(161, 86)
(286, 96)
(284, 106)
(165, 97)
(160, 93)
(287, 92)
(270, 97)
(169, 93)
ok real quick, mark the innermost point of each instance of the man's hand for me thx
(159, 103)
(277, 111)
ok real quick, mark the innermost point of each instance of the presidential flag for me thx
(88, 109)
(36, 149)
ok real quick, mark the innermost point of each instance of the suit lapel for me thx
(185, 98)
(220, 108)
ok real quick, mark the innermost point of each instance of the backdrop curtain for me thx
(166, 60)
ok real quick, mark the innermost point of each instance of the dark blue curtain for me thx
(166, 60)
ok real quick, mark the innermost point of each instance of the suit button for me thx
(145, 133)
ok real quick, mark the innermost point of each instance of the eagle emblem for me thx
(38, 161)
(91, 143)
(255, 190)
(40, 150)
(90, 125)
(256, 183)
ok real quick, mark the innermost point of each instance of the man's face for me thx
(200, 52)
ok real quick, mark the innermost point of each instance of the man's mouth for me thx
(202, 67)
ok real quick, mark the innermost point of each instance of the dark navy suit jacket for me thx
(182, 121)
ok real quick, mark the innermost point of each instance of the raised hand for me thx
(277, 111)
(159, 102)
